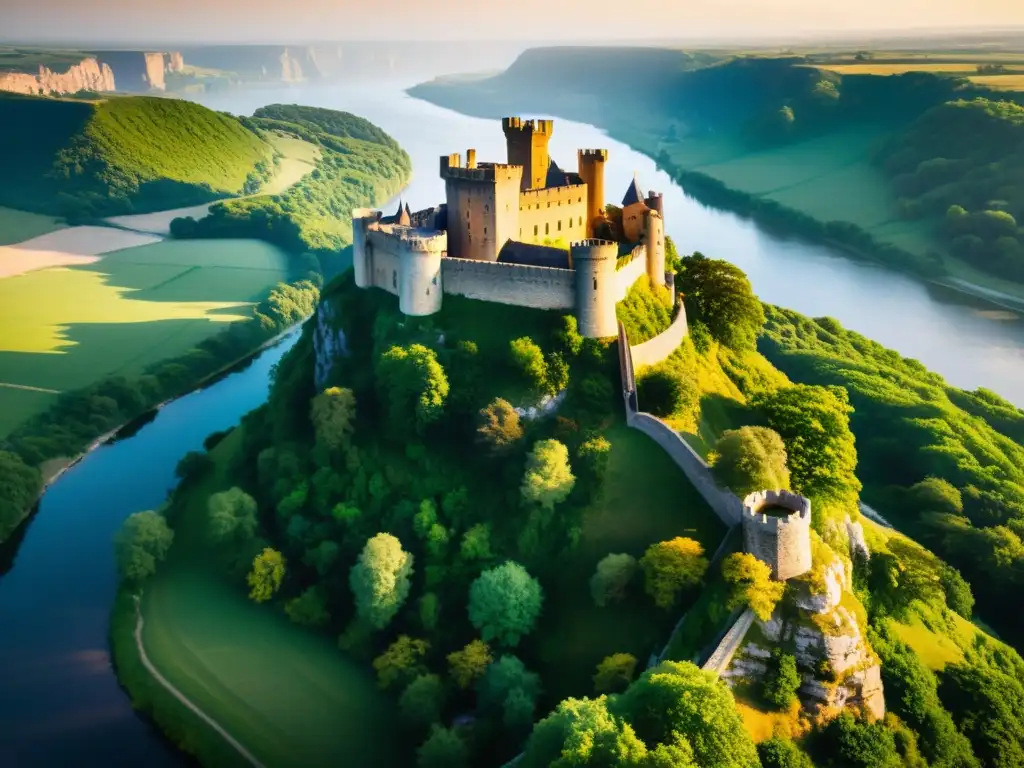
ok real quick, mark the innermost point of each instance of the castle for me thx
(777, 531)
(524, 232)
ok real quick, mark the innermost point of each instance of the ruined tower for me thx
(594, 262)
(528, 147)
(591, 170)
(777, 531)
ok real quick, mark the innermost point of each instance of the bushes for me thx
(645, 312)
(782, 680)
(664, 392)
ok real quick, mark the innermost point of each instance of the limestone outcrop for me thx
(88, 75)
(329, 343)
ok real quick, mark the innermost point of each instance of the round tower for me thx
(594, 263)
(777, 531)
(419, 282)
(654, 239)
(591, 169)
(362, 218)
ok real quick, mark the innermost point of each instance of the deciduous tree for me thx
(422, 701)
(719, 294)
(401, 662)
(613, 574)
(750, 584)
(499, 427)
(751, 459)
(380, 579)
(615, 673)
(309, 609)
(231, 516)
(266, 575)
(142, 542)
(504, 603)
(528, 359)
(467, 666)
(782, 681)
(549, 478)
(333, 413)
(583, 732)
(442, 749)
(670, 567)
(413, 386)
(507, 687)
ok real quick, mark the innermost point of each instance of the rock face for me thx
(154, 64)
(87, 75)
(136, 71)
(174, 61)
(328, 344)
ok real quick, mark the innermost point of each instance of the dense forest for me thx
(82, 159)
(358, 162)
(409, 508)
(962, 165)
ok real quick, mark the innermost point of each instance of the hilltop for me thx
(122, 155)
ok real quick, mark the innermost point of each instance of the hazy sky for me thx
(304, 20)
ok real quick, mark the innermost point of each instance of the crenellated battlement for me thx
(484, 172)
(544, 127)
(592, 242)
(777, 531)
(411, 238)
(592, 155)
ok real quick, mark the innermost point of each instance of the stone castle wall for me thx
(537, 287)
(655, 350)
(629, 274)
(553, 213)
(724, 503)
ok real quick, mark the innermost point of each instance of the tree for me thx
(413, 386)
(142, 542)
(549, 478)
(814, 423)
(664, 391)
(777, 752)
(528, 359)
(557, 377)
(582, 732)
(678, 699)
(499, 427)
(422, 702)
(266, 575)
(322, 557)
(401, 662)
(935, 494)
(507, 688)
(309, 609)
(959, 597)
(20, 484)
(593, 457)
(851, 743)
(380, 579)
(333, 413)
(751, 584)
(751, 459)
(476, 543)
(615, 673)
(468, 665)
(192, 466)
(504, 603)
(231, 516)
(718, 294)
(442, 749)
(613, 574)
(670, 567)
(782, 680)
(568, 336)
(430, 610)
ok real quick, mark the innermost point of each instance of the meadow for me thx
(16, 226)
(64, 328)
(286, 693)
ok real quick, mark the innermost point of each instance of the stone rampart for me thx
(524, 286)
(629, 274)
(782, 542)
(724, 503)
(655, 350)
(730, 643)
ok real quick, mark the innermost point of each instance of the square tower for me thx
(528, 148)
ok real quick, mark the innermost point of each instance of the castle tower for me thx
(777, 531)
(594, 263)
(591, 170)
(362, 218)
(419, 285)
(656, 202)
(654, 239)
(528, 147)
(634, 209)
(483, 208)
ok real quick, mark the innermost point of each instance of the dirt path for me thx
(27, 388)
(181, 697)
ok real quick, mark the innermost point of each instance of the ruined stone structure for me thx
(782, 541)
(521, 232)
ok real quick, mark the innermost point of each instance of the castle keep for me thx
(777, 531)
(524, 232)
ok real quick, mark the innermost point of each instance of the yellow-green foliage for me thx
(645, 312)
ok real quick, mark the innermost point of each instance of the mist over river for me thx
(59, 700)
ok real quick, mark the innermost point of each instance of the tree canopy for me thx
(613, 574)
(333, 414)
(231, 516)
(548, 479)
(751, 584)
(266, 575)
(412, 385)
(380, 579)
(142, 542)
(498, 426)
(504, 603)
(751, 459)
(670, 567)
(466, 666)
(719, 294)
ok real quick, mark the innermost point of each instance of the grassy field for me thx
(17, 226)
(646, 499)
(289, 695)
(64, 328)
(901, 68)
(299, 158)
(1014, 82)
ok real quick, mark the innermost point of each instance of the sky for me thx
(283, 21)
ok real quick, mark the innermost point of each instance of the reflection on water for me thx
(963, 338)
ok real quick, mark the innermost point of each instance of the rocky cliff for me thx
(135, 71)
(87, 75)
(823, 625)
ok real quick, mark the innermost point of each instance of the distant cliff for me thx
(88, 75)
(136, 71)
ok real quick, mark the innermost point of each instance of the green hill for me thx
(124, 155)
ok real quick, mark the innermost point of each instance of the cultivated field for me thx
(64, 328)
(1014, 82)
(288, 694)
(901, 68)
(67, 247)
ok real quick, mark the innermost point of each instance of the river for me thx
(60, 701)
